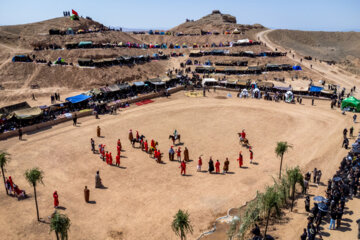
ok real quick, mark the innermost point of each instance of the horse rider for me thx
(175, 134)
(243, 135)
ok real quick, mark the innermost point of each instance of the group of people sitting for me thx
(14, 190)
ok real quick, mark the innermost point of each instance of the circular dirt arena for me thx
(142, 196)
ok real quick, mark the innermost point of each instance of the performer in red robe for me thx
(217, 166)
(243, 134)
(137, 135)
(240, 159)
(107, 157)
(56, 199)
(183, 168)
(118, 150)
(152, 143)
(155, 154)
(146, 146)
(11, 183)
(251, 155)
(110, 159)
(118, 160)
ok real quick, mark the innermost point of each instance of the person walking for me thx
(98, 183)
(354, 118)
(318, 177)
(98, 131)
(304, 235)
(312, 101)
(171, 153)
(183, 168)
(56, 199)
(75, 120)
(146, 147)
(315, 174)
(86, 194)
(92, 142)
(307, 203)
(211, 165)
(199, 164)
(240, 159)
(226, 165)
(217, 166)
(351, 132)
(118, 160)
(251, 155)
(178, 154)
(339, 214)
(333, 215)
(186, 155)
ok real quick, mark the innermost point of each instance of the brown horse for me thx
(174, 139)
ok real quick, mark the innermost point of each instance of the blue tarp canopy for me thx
(315, 89)
(297, 68)
(77, 98)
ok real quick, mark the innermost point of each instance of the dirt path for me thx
(332, 73)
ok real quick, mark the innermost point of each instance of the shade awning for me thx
(315, 89)
(77, 98)
(138, 84)
(27, 113)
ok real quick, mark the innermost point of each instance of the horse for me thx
(244, 142)
(134, 140)
(174, 139)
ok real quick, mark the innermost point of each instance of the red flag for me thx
(74, 12)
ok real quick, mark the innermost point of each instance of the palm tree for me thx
(271, 200)
(280, 150)
(294, 176)
(181, 224)
(60, 223)
(34, 176)
(4, 159)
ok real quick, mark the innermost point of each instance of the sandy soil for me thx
(142, 196)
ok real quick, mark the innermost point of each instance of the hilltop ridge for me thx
(216, 21)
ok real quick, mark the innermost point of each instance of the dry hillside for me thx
(343, 47)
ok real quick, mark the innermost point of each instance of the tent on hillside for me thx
(236, 31)
(351, 103)
(297, 68)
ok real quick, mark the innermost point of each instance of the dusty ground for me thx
(142, 196)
